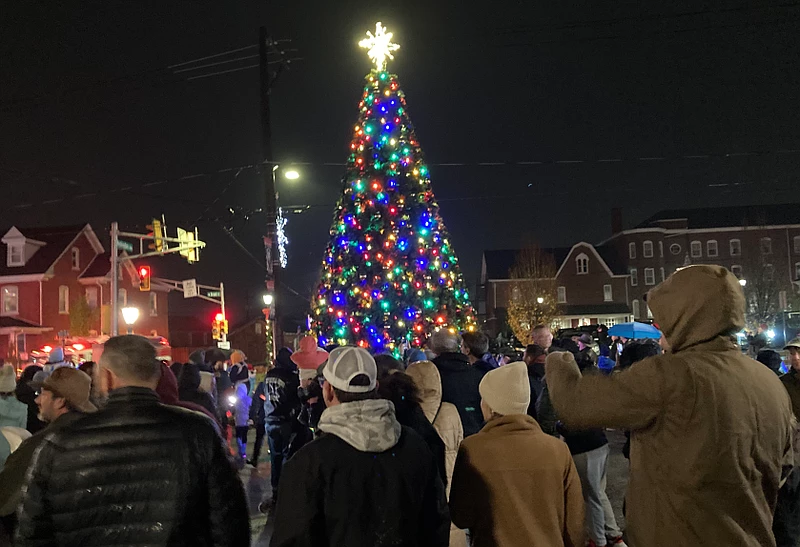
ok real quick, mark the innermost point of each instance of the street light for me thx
(268, 298)
(540, 300)
(291, 174)
(743, 282)
(130, 315)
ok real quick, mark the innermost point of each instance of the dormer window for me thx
(15, 254)
(76, 259)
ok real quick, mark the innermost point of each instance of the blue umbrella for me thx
(635, 330)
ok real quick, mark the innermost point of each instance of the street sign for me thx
(190, 288)
(214, 294)
(124, 246)
(224, 345)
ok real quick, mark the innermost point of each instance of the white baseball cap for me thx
(347, 362)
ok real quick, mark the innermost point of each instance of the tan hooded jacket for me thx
(711, 428)
(445, 419)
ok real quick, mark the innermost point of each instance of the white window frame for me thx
(675, 249)
(647, 249)
(122, 296)
(696, 245)
(6, 310)
(635, 308)
(63, 300)
(632, 249)
(634, 277)
(663, 274)
(712, 244)
(76, 259)
(16, 254)
(797, 271)
(582, 264)
(608, 293)
(765, 245)
(661, 249)
(610, 321)
(561, 293)
(735, 247)
(736, 270)
(796, 244)
(769, 271)
(649, 276)
(93, 291)
(153, 304)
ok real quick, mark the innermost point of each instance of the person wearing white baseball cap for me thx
(513, 484)
(366, 480)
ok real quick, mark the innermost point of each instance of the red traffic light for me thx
(144, 278)
(219, 317)
(144, 272)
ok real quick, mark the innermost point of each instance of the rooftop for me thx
(56, 239)
(722, 217)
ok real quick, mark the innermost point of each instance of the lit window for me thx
(663, 274)
(10, 300)
(736, 247)
(635, 306)
(63, 299)
(737, 271)
(696, 249)
(91, 297)
(711, 248)
(15, 255)
(562, 295)
(649, 276)
(76, 259)
(675, 249)
(153, 304)
(607, 293)
(766, 246)
(583, 264)
(122, 297)
(634, 277)
(647, 249)
(610, 321)
(632, 250)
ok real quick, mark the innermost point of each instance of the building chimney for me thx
(616, 220)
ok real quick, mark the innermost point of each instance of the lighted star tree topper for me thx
(390, 275)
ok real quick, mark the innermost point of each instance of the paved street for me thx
(256, 482)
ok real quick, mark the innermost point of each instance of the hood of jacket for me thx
(190, 377)
(283, 360)
(167, 387)
(429, 382)
(698, 304)
(367, 426)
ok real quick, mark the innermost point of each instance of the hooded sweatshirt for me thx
(711, 429)
(367, 426)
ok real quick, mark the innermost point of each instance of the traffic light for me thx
(155, 231)
(219, 326)
(144, 278)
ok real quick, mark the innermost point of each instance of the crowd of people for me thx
(446, 447)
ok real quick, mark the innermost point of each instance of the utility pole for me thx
(273, 261)
(114, 279)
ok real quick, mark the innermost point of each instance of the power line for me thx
(216, 64)
(244, 68)
(251, 46)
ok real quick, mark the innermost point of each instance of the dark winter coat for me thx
(189, 389)
(257, 407)
(536, 380)
(12, 475)
(460, 382)
(167, 390)
(344, 496)
(136, 472)
(791, 381)
(282, 403)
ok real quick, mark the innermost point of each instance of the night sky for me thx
(87, 106)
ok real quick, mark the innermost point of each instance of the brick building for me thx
(44, 272)
(606, 283)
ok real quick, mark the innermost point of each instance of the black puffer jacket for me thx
(282, 403)
(134, 473)
(460, 382)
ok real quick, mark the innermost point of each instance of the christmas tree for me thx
(390, 276)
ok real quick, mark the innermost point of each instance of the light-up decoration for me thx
(283, 241)
(379, 47)
(390, 276)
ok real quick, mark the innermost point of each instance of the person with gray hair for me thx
(140, 472)
(460, 379)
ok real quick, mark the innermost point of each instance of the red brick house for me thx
(591, 286)
(43, 274)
